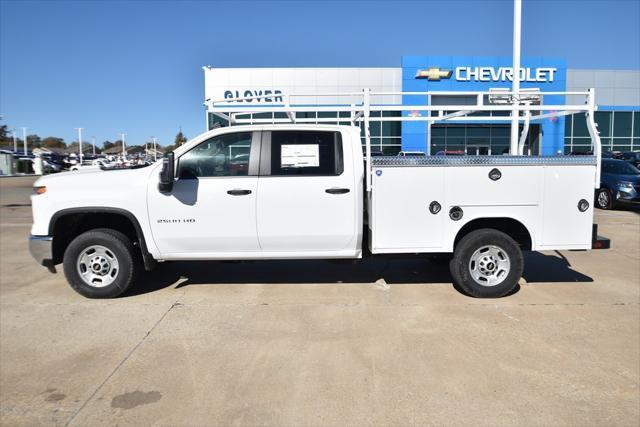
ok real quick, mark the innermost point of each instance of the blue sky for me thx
(135, 67)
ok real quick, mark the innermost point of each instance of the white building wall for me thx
(613, 87)
(308, 81)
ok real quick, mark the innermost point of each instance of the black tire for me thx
(604, 199)
(497, 242)
(118, 246)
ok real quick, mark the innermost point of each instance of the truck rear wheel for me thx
(487, 264)
(100, 263)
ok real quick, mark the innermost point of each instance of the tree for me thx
(53, 142)
(4, 130)
(180, 139)
(74, 147)
(107, 144)
(33, 141)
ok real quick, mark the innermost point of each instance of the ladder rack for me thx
(528, 104)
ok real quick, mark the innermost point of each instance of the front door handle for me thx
(337, 190)
(239, 192)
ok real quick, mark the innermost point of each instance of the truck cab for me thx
(262, 192)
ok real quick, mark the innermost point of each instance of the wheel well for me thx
(511, 227)
(67, 226)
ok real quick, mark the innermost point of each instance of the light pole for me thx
(155, 155)
(24, 136)
(80, 143)
(515, 87)
(93, 142)
(124, 153)
(15, 142)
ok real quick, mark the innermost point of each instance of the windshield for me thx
(622, 168)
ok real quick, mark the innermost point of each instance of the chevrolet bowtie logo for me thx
(433, 74)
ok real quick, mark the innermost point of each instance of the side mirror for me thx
(167, 173)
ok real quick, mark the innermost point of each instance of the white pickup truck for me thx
(300, 191)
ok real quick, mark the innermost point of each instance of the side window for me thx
(306, 153)
(224, 155)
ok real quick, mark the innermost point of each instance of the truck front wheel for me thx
(487, 264)
(100, 263)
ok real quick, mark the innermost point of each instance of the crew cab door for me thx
(212, 207)
(306, 193)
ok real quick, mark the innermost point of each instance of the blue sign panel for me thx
(481, 73)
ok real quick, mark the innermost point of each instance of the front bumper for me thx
(628, 195)
(623, 198)
(41, 249)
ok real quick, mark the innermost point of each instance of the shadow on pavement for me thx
(629, 208)
(412, 270)
(539, 267)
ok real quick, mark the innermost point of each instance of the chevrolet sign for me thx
(434, 74)
(489, 74)
(501, 74)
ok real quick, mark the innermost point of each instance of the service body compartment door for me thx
(402, 221)
(564, 226)
(306, 196)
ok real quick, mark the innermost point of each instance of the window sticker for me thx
(300, 156)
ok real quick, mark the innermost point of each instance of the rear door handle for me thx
(337, 190)
(239, 192)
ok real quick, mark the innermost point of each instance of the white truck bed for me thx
(542, 193)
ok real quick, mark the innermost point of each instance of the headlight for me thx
(625, 185)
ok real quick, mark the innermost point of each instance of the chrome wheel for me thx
(97, 266)
(489, 265)
(603, 199)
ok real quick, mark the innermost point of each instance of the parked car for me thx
(632, 157)
(620, 183)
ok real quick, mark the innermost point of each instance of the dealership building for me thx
(617, 96)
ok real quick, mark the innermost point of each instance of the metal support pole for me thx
(80, 144)
(515, 87)
(15, 142)
(93, 142)
(367, 137)
(592, 126)
(429, 123)
(155, 153)
(525, 132)
(124, 152)
(24, 141)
